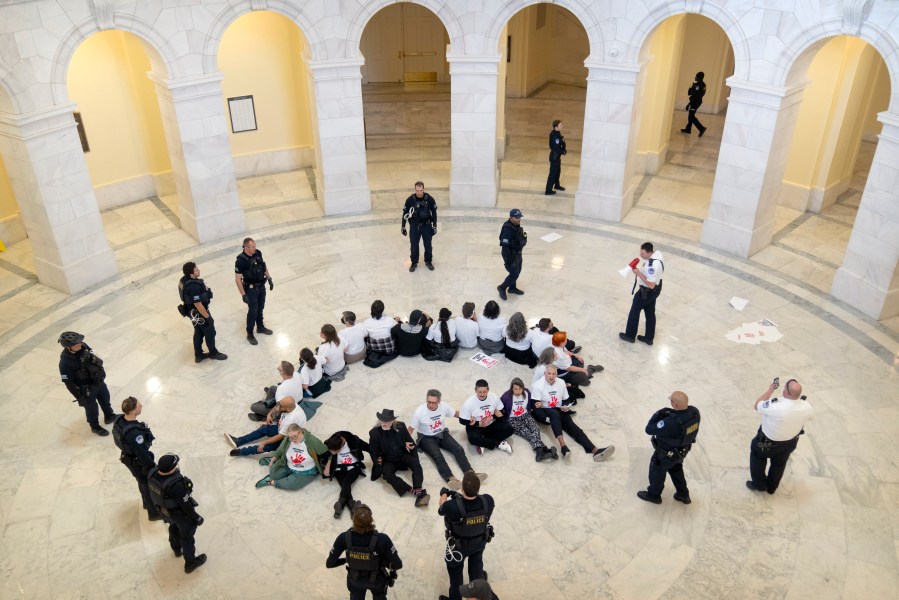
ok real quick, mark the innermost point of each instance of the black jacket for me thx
(80, 371)
(388, 445)
(696, 92)
(357, 447)
(512, 239)
(557, 147)
(420, 210)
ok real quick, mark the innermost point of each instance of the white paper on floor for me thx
(484, 360)
(551, 237)
(755, 333)
(738, 303)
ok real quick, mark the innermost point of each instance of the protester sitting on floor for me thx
(467, 329)
(491, 326)
(269, 435)
(353, 336)
(331, 354)
(410, 337)
(518, 341)
(295, 463)
(515, 404)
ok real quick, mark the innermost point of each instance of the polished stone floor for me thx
(70, 515)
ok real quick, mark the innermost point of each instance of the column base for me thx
(78, 276)
(345, 201)
(477, 195)
(594, 205)
(213, 227)
(735, 240)
(853, 290)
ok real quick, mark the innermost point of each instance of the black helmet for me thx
(70, 338)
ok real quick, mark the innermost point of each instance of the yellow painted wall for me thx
(8, 206)
(880, 100)
(569, 48)
(706, 48)
(107, 80)
(660, 85)
(261, 55)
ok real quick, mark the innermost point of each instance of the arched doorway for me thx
(124, 144)
(674, 171)
(269, 102)
(542, 78)
(406, 103)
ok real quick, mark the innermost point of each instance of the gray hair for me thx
(435, 393)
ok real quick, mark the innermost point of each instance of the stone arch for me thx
(156, 47)
(232, 12)
(368, 9)
(8, 102)
(576, 7)
(718, 14)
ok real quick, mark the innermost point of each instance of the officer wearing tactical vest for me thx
(195, 299)
(134, 438)
(83, 374)
(466, 516)
(512, 240)
(250, 274)
(371, 559)
(783, 421)
(170, 492)
(649, 282)
(420, 211)
(673, 432)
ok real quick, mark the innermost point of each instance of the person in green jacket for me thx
(296, 461)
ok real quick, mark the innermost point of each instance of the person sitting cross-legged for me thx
(297, 461)
(269, 436)
(482, 415)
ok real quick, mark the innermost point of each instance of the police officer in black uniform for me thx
(673, 432)
(170, 492)
(250, 274)
(696, 92)
(195, 299)
(512, 240)
(468, 530)
(371, 559)
(556, 151)
(420, 211)
(134, 438)
(84, 376)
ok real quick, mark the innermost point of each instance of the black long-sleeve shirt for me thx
(384, 548)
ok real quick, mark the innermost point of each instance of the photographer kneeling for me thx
(466, 515)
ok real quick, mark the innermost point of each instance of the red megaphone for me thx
(633, 264)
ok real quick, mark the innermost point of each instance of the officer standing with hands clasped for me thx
(134, 438)
(170, 492)
(512, 240)
(371, 559)
(673, 432)
(84, 376)
(420, 211)
(783, 421)
(251, 273)
(466, 515)
(646, 290)
(556, 151)
(195, 299)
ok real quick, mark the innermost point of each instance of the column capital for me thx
(455, 57)
(764, 94)
(340, 68)
(39, 122)
(890, 129)
(192, 86)
(598, 70)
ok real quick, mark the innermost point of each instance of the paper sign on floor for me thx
(755, 333)
(484, 360)
(551, 237)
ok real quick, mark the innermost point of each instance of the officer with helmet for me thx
(466, 515)
(134, 438)
(371, 558)
(170, 492)
(420, 211)
(673, 432)
(195, 299)
(83, 374)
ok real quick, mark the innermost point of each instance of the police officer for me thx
(195, 298)
(171, 495)
(696, 92)
(83, 374)
(134, 438)
(783, 421)
(371, 558)
(673, 432)
(556, 151)
(250, 274)
(420, 211)
(466, 516)
(646, 290)
(512, 240)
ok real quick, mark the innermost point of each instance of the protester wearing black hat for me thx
(83, 374)
(392, 450)
(512, 240)
(478, 589)
(171, 494)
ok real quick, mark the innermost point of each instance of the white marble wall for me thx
(869, 277)
(341, 173)
(46, 167)
(605, 188)
(751, 163)
(473, 175)
(195, 122)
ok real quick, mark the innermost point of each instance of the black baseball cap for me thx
(515, 213)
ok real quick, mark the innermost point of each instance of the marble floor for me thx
(70, 517)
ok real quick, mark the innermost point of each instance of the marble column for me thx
(755, 145)
(196, 132)
(341, 172)
(474, 175)
(607, 182)
(869, 277)
(46, 166)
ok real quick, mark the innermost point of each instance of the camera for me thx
(450, 493)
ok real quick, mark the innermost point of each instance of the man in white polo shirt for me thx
(783, 420)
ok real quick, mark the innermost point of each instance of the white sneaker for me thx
(505, 446)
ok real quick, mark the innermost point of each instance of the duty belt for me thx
(764, 440)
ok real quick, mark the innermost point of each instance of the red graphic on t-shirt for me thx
(553, 400)
(437, 425)
(517, 411)
(487, 414)
(298, 459)
(346, 460)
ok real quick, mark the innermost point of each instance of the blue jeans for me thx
(262, 432)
